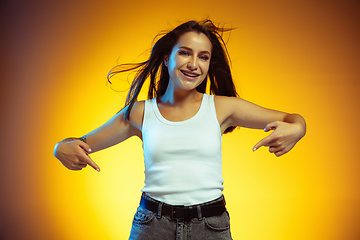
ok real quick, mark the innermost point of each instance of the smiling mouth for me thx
(190, 74)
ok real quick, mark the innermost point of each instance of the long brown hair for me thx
(219, 74)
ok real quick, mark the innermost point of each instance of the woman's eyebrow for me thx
(189, 49)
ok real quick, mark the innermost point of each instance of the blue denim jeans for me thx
(148, 225)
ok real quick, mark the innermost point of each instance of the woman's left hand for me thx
(283, 138)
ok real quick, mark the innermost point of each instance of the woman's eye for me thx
(184, 53)
(204, 57)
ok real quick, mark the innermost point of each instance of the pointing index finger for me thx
(262, 142)
(90, 162)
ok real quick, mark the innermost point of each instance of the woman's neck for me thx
(180, 97)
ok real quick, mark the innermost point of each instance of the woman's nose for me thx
(192, 64)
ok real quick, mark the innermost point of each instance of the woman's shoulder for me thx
(138, 107)
(137, 112)
(226, 105)
(226, 100)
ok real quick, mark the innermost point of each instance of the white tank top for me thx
(183, 162)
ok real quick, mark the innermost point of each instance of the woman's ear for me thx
(166, 60)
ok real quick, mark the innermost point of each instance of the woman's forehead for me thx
(195, 41)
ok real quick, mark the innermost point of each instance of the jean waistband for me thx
(212, 208)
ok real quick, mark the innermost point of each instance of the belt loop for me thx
(158, 215)
(198, 208)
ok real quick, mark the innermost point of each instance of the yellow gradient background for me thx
(295, 56)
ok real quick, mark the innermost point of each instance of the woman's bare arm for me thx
(288, 128)
(74, 152)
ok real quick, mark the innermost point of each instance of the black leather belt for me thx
(184, 212)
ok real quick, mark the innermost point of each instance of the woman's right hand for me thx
(74, 155)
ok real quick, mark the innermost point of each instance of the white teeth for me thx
(189, 74)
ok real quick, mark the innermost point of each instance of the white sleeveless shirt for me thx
(183, 161)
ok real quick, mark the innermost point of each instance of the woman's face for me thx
(189, 61)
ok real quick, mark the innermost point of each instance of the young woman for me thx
(181, 128)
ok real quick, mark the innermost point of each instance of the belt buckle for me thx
(178, 212)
